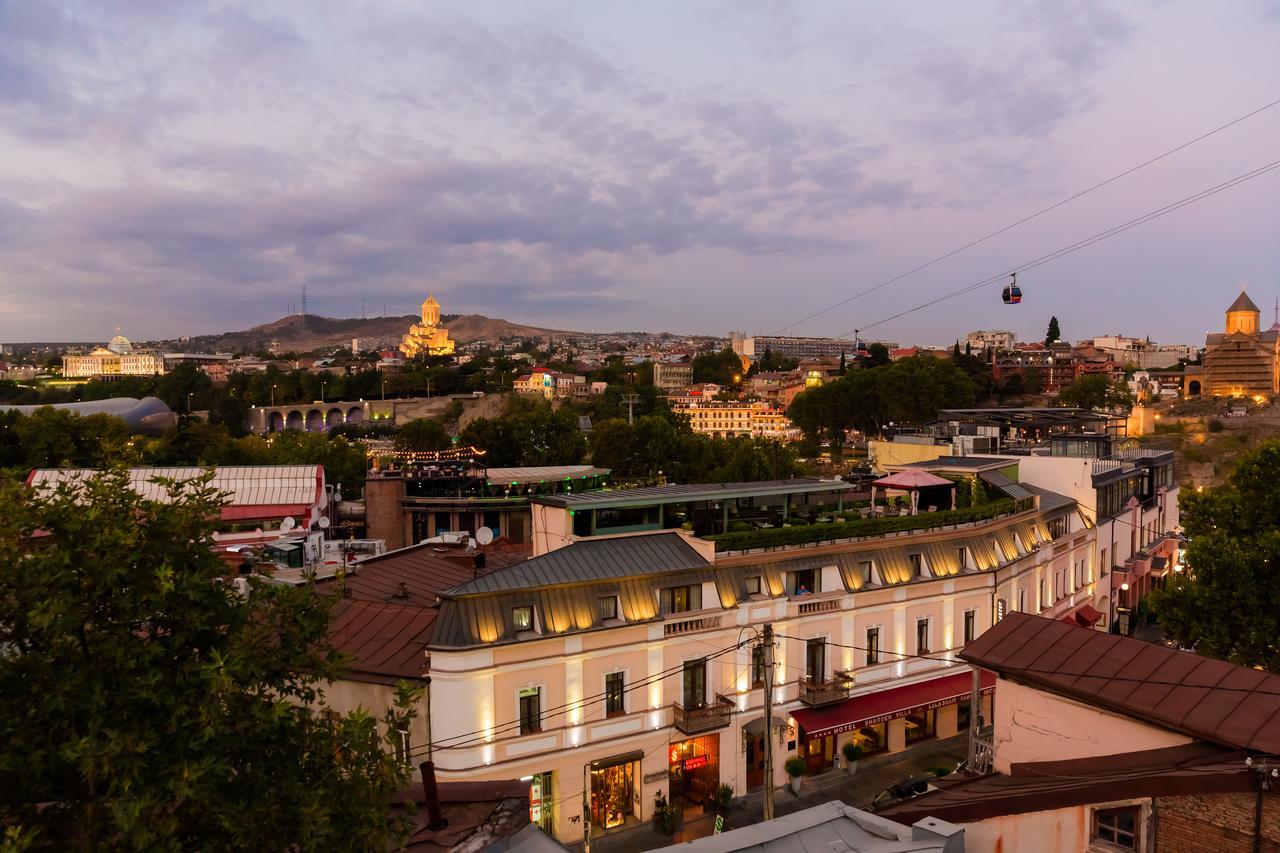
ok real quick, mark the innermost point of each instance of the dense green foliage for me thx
(1096, 392)
(656, 447)
(145, 705)
(718, 367)
(910, 391)
(528, 433)
(805, 534)
(1227, 604)
(422, 434)
(1053, 333)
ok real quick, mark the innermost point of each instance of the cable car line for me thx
(1088, 241)
(1032, 216)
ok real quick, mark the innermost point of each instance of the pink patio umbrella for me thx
(913, 481)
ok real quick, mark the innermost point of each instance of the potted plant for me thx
(723, 796)
(795, 768)
(852, 752)
(664, 815)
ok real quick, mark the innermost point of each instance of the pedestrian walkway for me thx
(858, 789)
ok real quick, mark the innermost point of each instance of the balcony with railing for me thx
(696, 720)
(836, 689)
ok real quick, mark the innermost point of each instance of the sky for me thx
(180, 167)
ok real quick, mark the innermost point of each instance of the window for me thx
(1080, 574)
(757, 666)
(873, 646)
(922, 636)
(1022, 601)
(753, 585)
(1117, 826)
(864, 572)
(522, 617)
(970, 626)
(815, 660)
(607, 605)
(530, 710)
(917, 563)
(680, 599)
(400, 743)
(962, 557)
(1103, 565)
(614, 694)
(1044, 592)
(803, 582)
(1058, 528)
(695, 684)
(1059, 584)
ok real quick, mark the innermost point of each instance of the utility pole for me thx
(586, 808)
(768, 720)
(630, 400)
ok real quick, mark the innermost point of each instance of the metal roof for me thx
(1032, 415)
(1006, 484)
(247, 485)
(831, 826)
(507, 476)
(416, 575)
(1244, 303)
(1207, 699)
(385, 641)
(605, 498)
(962, 463)
(1050, 501)
(592, 560)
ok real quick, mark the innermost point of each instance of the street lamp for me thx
(273, 395)
(189, 393)
(384, 387)
(322, 392)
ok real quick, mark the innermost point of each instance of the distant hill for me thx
(299, 333)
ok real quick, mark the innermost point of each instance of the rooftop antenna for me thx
(304, 300)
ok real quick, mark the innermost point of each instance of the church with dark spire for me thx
(1242, 361)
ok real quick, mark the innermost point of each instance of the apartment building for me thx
(672, 376)
(733, 418)
(554, 385)
(993, 339)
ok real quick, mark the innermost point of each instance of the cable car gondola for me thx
(860, 345)
(1012, 293)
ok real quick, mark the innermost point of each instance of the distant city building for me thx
(117, 358)
(427, 337)
(672, 376)
(1243, 361)
(554, 385)
(789, 347)
(199, 359)
(996, 339)
(731, 418)
(1140, 352)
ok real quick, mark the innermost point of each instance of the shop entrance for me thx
(755, 762)
(540, 801)
(614, 790)
(694, 772)
(819, 753)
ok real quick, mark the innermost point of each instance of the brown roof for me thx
(1207, 699)
(386, 641)
(1243, 303)
(424, 570)
(479, 814)
(1195, 768)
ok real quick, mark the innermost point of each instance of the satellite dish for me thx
(323, 522)
(484, 535)
(288, 524)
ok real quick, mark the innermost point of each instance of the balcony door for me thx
(815, 661)
(695, 684)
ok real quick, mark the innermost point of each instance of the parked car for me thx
(902, 790)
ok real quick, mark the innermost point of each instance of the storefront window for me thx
(921, 726)
(540, 802)
(695, 771)
(612, 794)
(871, 739)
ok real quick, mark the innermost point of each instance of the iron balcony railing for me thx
(814, 693)
(709, 717)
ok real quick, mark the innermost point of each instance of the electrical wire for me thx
(486, 735)
(1084, 243)
(1032, 216)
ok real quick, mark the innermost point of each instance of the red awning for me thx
(874, 708)
(1087, 616)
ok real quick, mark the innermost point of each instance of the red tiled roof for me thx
(386, 641)
(1195, 768)
(1207, 699)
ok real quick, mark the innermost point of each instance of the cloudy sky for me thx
(181, 167)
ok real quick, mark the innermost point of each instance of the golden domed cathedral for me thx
(427, 337)
(1243, 361)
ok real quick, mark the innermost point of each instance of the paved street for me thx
(872, 777)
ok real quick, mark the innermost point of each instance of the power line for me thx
(1086, 242)
(1032, 216)
(484, 735)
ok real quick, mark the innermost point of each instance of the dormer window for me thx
(917, 564)
(607, 607)
(864, 572)
(522, 617)
(680, 599)
(753, 585)
(802, 582)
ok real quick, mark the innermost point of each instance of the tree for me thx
(1227, 603)
(1054, 333)
(423, 434)
(1095, 391)
(145, 704)
(877, 356)
(718, 367)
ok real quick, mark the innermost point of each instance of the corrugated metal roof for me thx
(1050, 502)
(424, 570)
(247, 485)
(592, 560)
(507, 476)
(1208, 699)
(1006, 484)
(691, 492)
